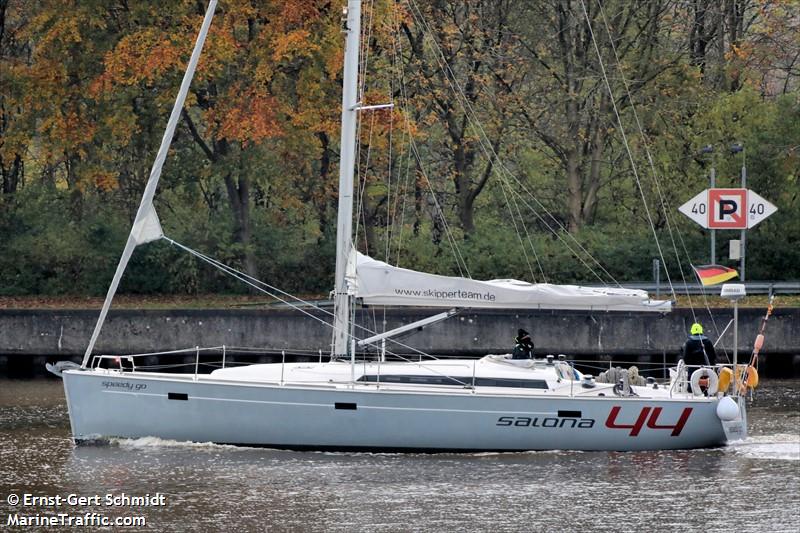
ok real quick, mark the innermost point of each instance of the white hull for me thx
(344, 416)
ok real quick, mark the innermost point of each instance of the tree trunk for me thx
(698, 40)
(238, 190)
(734, 12)
(11, 175)
(572, 166)
(324, 175)
(464, 204)
(239, 197)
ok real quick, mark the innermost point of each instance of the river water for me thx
(748, 486)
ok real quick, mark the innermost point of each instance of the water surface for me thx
(753, 485)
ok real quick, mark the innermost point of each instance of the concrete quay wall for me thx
(64, 334)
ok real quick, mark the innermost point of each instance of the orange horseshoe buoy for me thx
(725, 378)
(748, 378)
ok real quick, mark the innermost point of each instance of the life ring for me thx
(710, 375)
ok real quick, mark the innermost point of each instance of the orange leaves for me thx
(245, 115)
(293, 44)
(739, 52)
(294, 12)
(74, 127)
(66, 130)
(98, 178)
(142, 56)
(55, 28)
(220, 49)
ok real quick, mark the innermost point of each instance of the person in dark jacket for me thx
(523, 348)
(698, 350)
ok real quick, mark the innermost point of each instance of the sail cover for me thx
(379, 283)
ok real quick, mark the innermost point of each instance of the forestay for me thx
(379, 283)
(146, 226)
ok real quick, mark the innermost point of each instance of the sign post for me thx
(744, 242)
(713, 181)
(734, 209)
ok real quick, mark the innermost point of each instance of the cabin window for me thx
(458, 381)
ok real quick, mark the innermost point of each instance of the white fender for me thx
(727, 410)
(713, 381)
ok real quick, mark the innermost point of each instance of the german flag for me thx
(713, 274)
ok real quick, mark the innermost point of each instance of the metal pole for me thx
(571, 378)
(353, 361)
(713, 182)
(474, 362)
(743, 245)
(735, 347)
(657, 276)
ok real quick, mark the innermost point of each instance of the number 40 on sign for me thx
(727, 208)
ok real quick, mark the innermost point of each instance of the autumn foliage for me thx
(502, 143)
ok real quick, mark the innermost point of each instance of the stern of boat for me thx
(736, 429)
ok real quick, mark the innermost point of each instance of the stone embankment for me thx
(29, 337)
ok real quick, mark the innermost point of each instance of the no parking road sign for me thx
(727, 208)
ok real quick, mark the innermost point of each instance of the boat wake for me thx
(155, 442)
(782, 446)
(526, 452)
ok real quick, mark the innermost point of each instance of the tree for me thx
(569, 108)
(465, 58)
(238, 94)
(14, 128)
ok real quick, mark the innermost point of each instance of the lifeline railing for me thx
(127, 363)
(118, 362)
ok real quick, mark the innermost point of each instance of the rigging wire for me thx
(530, 241)
(516, 230)
(627, 146)
(460, 261)
(390, 167)
(398, 53)
(402, 184)
(665, 207)
(489, 152)
(362, 185)
(646, 145)
(276, 293)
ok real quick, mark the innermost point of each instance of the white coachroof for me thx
(379, 283)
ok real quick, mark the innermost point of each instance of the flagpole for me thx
(744, 230)
(713, 181)
(735, 347)
(735, 149)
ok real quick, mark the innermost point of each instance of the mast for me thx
(351, 17)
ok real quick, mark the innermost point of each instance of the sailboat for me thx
(497, 402)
